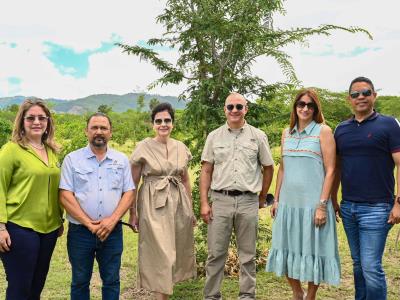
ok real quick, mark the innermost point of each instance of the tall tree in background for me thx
(140, 103)
(104, 108)
(218, 41)
(153, 103)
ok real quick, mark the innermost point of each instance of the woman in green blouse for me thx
(30, 214)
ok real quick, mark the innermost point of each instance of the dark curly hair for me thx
(163, 107)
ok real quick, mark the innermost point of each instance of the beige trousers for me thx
(240, 214)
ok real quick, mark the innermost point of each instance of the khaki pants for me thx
(239, 213)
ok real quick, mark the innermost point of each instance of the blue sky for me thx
(71, 62)
(52, 49)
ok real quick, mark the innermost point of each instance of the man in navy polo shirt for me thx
(368, 147)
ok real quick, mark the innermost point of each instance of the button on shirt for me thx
(98, 186)
(365, 149)
(237, 156)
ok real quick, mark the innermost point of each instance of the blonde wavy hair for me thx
(18, 134)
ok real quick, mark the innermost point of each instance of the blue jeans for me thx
(27, 263)
(366, 229)
(83, 247)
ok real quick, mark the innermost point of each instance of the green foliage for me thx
(12, 108)
(69, 133)
(153, 103)
(130, 125)
(105, 109)
(140, 103)
(388, 105)
(5, 131)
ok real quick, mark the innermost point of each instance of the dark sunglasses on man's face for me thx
(302, 104)
(160, 121)
(238, 106)
(356, 94)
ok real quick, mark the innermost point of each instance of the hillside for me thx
(119, 103)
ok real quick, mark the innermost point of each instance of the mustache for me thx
(98, 140)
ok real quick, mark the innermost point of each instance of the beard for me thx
(99, 142)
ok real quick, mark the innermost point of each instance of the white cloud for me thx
(83, 25)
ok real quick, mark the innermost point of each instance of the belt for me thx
(233, 192)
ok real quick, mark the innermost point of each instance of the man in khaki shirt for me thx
(236, 165)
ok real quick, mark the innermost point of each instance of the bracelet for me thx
(3, 227)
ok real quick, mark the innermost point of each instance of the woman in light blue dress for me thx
(304, 240)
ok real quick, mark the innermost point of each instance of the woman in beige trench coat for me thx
(163, 215)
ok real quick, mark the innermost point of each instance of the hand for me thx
(206, 212)
(320, 216)
(261, 201)
(134, 221)
(106, 226)
(60, 230)
(93, 226)
(394, 216)
(274, 209)
(336, 208)
(194, 221)
(5, 241)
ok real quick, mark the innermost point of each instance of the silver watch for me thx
(323, 202)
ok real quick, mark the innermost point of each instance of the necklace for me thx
(41, 147)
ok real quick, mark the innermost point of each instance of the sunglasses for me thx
(302, 104)
(356, 94)
(238, 106)
(32, 119)
(160, 121)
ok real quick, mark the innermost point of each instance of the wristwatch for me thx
(323, 202)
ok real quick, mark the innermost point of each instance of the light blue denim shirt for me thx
(98, 186)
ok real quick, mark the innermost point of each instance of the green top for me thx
(29, 188)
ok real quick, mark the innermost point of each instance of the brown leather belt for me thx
(232, 192)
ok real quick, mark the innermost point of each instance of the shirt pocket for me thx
(82, 179)
(114, 176)
(221, 153)
(250, 150)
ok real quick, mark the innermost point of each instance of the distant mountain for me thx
(119, 103)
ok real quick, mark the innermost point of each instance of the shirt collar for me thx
(307, 130)
(373, 116)
(241, 128)
(89, 153)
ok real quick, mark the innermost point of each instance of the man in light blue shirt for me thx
(96, 189)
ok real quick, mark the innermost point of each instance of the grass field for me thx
(268, 286)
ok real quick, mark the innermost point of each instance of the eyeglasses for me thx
(160, 121)
(238, 106)
(32, 119)
(302, 104)
(356, 94)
